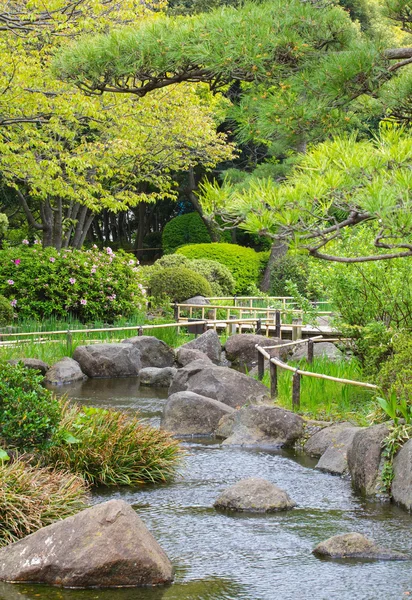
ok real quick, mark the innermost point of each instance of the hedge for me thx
(184, 229)
(178, 284)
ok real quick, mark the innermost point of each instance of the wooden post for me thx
(273, 380)
(278, 325)
(235, 300)
(140, 331)
(69, 340)
(261, 366)
(296, 391)
(310, 351)
(259, 329)
(176, 312)
(204, 327)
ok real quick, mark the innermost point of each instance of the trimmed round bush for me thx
(220, 278)
(289, 268)
(178, 284)
(6, 311)
(172, 260)
(88, 284)
(184, 229)
(245, 264)
(29, 414)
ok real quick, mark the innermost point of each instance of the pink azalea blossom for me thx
(36, 242)
(131, 262)
(72, 280)
(14, 302)
(10, 281)
(25, 242)
(83, 301)
(109, 250)
(17, 261)
(93, 270)
(52, 259)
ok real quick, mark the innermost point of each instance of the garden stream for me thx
(244, 557)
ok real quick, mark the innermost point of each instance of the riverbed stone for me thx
(208, 343)
(220, 383)
(226, 425)
(364, 459)
(155, 377)
(109, 360)
(268, 426)
(153, 352)
(187, 413)
(355, 545)
(318, 443)
(31, 363)
(402, 481)
(254, 495)
(334, 460)
(186, 355)
(320, 349)
(64, 371)
(107, 545)
(241, 349)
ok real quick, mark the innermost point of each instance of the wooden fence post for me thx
(310, 351)
(259, 329)
(261, 366)
(69, 340)
(176, 312)
(273, 380)
(140, 331)
(278, 325)
(296, 390)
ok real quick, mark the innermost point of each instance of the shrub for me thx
(172, 260)
(110, 448)
(245, 264)
(178, 284)
(289, 268)
(29, 414)
(184, 229)
(220, 278)
(89, 284)
(6, 311)
(33, 497)
(395, 376)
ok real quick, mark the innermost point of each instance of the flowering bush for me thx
(88, 284)
(6, 311)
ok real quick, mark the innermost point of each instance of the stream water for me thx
(244, 557)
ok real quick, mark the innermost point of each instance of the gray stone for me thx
(225, 426)
(153, 352)
(325, 349)
(355, 545)
(334, 460)
(402, 481)
(254, 495)
(224, 362)
(186, 413)
(107, 545)
(364, 459)
(154, 377)
(186, 355)
(199, 300)
(64, 371)
(109, 360)
(31, 363)
(219, 383)
(208, 343)
(265, 426)
(318, 443)
(241, 349)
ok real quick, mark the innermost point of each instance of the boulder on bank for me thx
(402, 481)
(184, 356)
(154, 377)
(107, 545)
(320, 349)
(364, 458)
(355, 545)
(225, 426)
(241, 349)
(254, 495)
(187, 413)
(265, 426)
(198, 300)
(208, 343)
(220, 383)
(31, 363)
(334, 460)
(64, 371)
(318, 443)
(109, 360)
(153, 352)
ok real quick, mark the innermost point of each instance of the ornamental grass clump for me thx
(32, 497)
(107, 447)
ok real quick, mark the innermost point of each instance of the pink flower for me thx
(93, 270)
(25, 242)
(72, 280)
(10, 281)
(36, 242)
(94, 247)
(109, 250)
(131, 262)
(14, 302)
(17, 261)
(52, 259)
(83, 302)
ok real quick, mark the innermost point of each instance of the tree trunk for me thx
(210, 224)
(276, 252)
(141, 226)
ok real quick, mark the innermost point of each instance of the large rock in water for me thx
(208, 343)
(64, 371)
(265, 426)
(355, 545)
(334, 460)
(319, 442)
(364, 459)
(154, 377)
(109, 360)
(254, 495)
(241, 349)
(402, 481)
(107, 545)
(186, 413)
(153, 352)
(219, 383)
(320, 349)
(31, 363)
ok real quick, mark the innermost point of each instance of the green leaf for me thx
(4, 457)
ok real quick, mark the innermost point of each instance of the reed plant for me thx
(32, 497)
